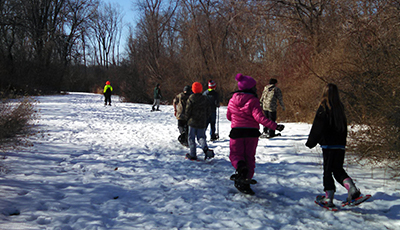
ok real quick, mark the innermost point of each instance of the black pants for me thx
(272, 117)
(107, 97)
(183, 130)
(333, 164)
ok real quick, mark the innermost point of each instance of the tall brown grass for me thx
(16, 121)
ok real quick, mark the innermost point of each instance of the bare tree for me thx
(107, 28)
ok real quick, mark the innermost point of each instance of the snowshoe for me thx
(356, 201)
(322, 201)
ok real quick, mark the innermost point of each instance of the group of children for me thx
(329, 130)
(193, 110)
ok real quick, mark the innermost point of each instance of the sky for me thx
(91, 166)
(129, 17)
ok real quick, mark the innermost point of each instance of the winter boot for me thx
(244, 188)
(250, 181)
(183, 140)
(241, 182)
(242, 170)
(327, 199)
(190, 157)
(353, 192)
(208, 153)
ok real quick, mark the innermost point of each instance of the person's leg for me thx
(272, 117)
(337, 165)
(213, 119)
(236, 151)
(250, 148)
(181, 126)
(191, 141)
(329, 157)
(342, 177)
(158, 104)
(201, 138)
(154, 104)
(265, 129)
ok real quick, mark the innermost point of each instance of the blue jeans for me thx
(201, 138)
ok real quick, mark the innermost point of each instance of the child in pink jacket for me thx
(245, 114)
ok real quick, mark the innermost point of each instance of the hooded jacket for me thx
(244, 111)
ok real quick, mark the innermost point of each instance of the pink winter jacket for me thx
(244, 111)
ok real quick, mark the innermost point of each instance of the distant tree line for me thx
(53, 45)
(50, 45)
(304, 44)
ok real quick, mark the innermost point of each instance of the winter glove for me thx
(280, 127)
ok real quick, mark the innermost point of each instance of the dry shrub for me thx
(15, 121)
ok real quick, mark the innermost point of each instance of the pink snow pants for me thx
(244, 149)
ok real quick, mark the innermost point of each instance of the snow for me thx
(121, 167)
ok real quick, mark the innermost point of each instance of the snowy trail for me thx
(121, 167)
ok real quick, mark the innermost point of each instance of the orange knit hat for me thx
(107, 82)
(197, 87)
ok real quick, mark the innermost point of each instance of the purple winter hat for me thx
(245, 82)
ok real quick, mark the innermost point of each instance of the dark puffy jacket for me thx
(197, 111)
(213, 99)
(323, 132)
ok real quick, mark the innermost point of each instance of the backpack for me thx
(270, 94)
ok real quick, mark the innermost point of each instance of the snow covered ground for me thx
(121, 167)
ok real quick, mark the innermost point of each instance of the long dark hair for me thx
(334, 107)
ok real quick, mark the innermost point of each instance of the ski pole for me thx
(217, 123)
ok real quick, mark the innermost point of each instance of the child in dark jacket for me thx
(197, 112)
(245, 114)
(329, 129)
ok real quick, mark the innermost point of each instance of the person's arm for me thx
(280, 98)
(229, 113)
(174, 103)
(316, 129)
(259, 116)
(188, 110)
